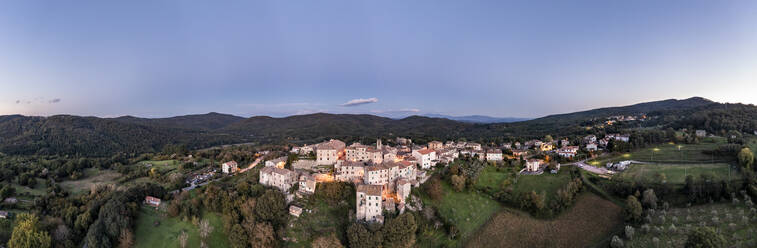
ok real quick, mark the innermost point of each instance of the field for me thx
(162, 165)
(734, 221)
(676, 173)
(468, 210)
(589, 221)
(324, 220)
(669, 153)
(546, 182)
(92, 176)
(166, 234)
(38, 189)
(490, 177)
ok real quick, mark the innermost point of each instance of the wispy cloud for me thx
(359, 101)
(56, 100)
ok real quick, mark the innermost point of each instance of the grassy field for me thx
(324, 220)
(92, 176)
(734, 221)
(492, 178)
(668, 153)
(589, 221)
(163, 165)
(546, 182)
(468, 210)
(38, 189)
(166, 234)
(676, 173)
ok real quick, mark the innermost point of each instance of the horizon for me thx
(430, 115)
(270, 58)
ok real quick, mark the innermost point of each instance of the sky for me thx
(498, 58)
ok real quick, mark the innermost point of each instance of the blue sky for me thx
(498, 58)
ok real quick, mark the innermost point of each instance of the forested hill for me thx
(92, 136)
(209, 121)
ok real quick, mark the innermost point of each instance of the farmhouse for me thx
(282, 179)
(230, 167)
(368, 201)
(307, 184)
(295, 211)
(701, 133)
(152, 201)
(533, 165)
(328, 153)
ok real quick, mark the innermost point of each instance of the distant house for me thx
(307, 184)
(404, 186)
(230, 167)
(435, 145)
(152, 201)
(494, 155)
(4, 215)
(474, 146)
(368, 201)
(277, 162)
(425, 157)
(590, 139)
(518, 153)
(282, 179)
(591, 146)
(546, 146)
(10, 200)
(327, 153)
(701, 133)
(533, 164)
(295, 211)
(568, 151)
(304, 164)
(564, 143)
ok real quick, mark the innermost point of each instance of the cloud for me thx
(359, 101)
(56, 100)
(18, 101)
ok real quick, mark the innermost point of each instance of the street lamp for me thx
(653, 151)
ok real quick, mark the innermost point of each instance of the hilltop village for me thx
(384, 175)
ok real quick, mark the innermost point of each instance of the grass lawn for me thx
(491, 178)
(324, 220)
(38, 189)
(676, 173)
(546, 182)
(468, 210)
(92, 176)
(587, 223)
(162, 165)
(166, 234)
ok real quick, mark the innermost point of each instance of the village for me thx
(385, 175)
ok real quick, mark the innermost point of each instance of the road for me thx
(596, 170)
(251, 165)
(192, 186)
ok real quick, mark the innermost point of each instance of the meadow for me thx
(167, 232)
(547, 182)
(92, 176)
(736, 222)
(324, 219)
(587, 223)
(670, 153)
(676, 173)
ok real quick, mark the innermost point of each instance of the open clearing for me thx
(546, 182)
(166, 234)
(676, 173)
(468, 210)
(669, 153)
(93, 176)
(590, 220)
(324, 220)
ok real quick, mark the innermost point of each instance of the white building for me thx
(230, 167)
(568, 151)
(591, 146)
(404, 186)
(282, 179)
(349, 171)
(435, 145)
(328, 153)
(533, 164)
(701, 133)
(368, 203)
(363, 153)
(277, 162)
(425, 157)
(494, 155)
(307, 184)
(590, 139)
(474, 146)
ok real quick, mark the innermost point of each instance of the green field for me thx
(676, 173)
(546, 182)
(324, 220)
(166, 234)
(92, 176)
(669, 153)
(38, 189)
(490, 177)
(163, 165)
(468, 210)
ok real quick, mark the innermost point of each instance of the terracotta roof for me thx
(425, 151)
(369, 189)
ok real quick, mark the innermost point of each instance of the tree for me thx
(271, 206)
(328, 241)
(704, 237)
(183, 239)
(400, 231)
(458, 182)
(434, 189)
(27, 233)
(616, 242)
(633, 209)
(263, 236)
(359, 237)
(649, 199)
(126, 239)
(205, 229)
(746, 158)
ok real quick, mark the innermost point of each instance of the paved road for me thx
(251, 165)
(597, 170)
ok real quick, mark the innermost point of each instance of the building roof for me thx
(271, 170)
(425, 151)
(231, 163)
(494, 151)
(369, 189)
(330, 145)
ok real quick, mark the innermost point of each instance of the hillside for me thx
(209, 121)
